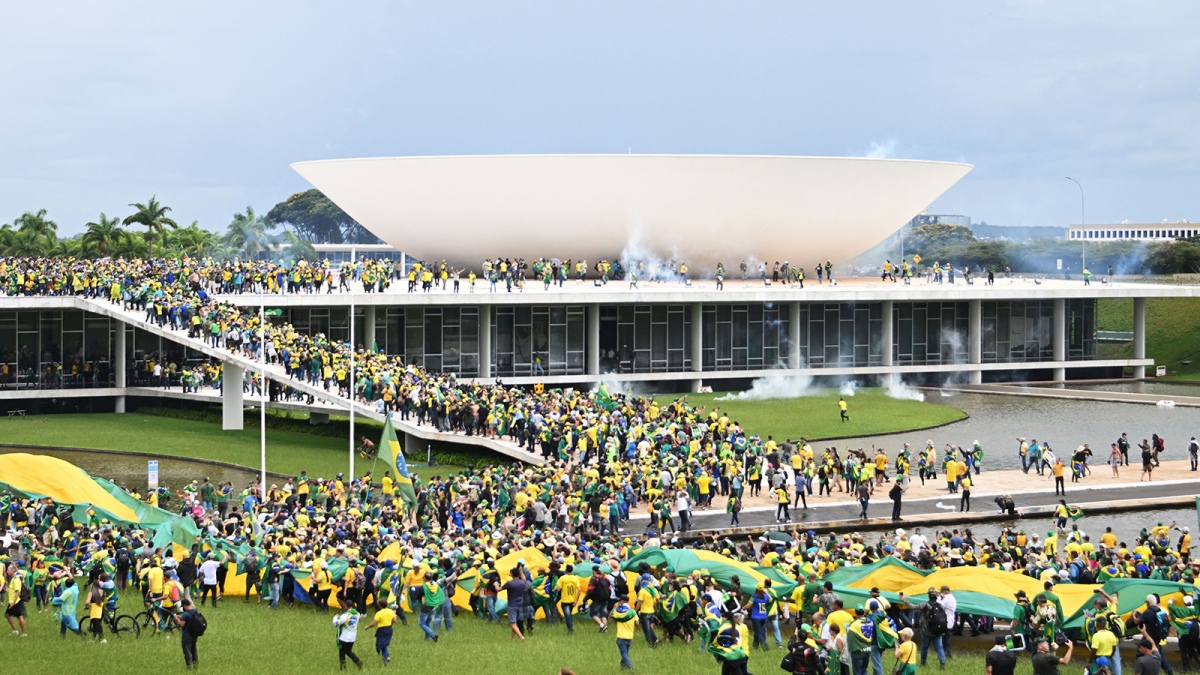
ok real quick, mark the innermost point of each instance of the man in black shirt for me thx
(1046, 662)
(1001, 661)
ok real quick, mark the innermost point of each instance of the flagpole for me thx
(350, 478)
(262, 392)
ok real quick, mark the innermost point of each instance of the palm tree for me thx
(295, 248)
(36, 224)
(152, 216)
(197, 241)
(247, 234)
(28, 244)
(102, 235)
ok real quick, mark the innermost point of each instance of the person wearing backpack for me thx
(932, 623)
(192, 625)
(253, 579)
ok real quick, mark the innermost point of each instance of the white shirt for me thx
(951, 606)
(349, 624)
(208, 570)
(917, 541)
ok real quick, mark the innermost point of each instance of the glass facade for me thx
(1017, 331)
(1081, 329)
(539, 340)
(55, 349)
(439, 338)
(744, 337)
(645, 338)
(844, 334)
(930, 333)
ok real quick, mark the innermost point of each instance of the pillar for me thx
(697, 344)
(485, 341)
(975, 340)
(794, 335)
(368, 326)
(119, 359)
(1139, 335)
(231, 397)
(887, 341)
(593, 339)
(1059, 336)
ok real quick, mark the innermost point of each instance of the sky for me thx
(205, 105)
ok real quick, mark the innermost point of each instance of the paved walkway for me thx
(1172, 479)
(1080, 394)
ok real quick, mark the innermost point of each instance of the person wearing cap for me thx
(1149, 659)
(999, 660)
(927, 613)
(626, 619)
(1046, 661)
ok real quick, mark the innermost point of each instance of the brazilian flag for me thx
(604, 398)
(1074, 512)
(389, 450)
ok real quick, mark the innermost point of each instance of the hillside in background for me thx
(1172, 332)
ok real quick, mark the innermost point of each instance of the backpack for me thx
(360, 580)
(251, 563)
(25, 595)
(197, 624)
(935, 619)
(123, 559)
(803, 660)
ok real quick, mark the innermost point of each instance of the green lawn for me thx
(1171, 329)
(872, 412)
(252, 639)
(288, 452)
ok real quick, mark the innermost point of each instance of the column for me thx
(485, 341)
(794, 335)
(975, 340)
(697, 343)
(368, 326)
(887, 341)
(231, 397)
(1059, 335)
(1139, 335)
(119, 359)
(593, 339)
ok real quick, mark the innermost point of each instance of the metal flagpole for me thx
(262, 391)
(351, 476)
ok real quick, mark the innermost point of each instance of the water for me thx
(1164, 389)
(997, 420)
(130, 470)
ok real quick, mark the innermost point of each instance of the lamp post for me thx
(1082, 221)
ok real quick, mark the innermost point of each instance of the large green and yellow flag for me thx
(389, 450)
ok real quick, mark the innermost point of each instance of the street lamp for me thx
(1082, 220)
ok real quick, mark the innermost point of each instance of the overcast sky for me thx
(207, 104)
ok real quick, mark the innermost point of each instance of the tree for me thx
(152, 216)
(924, 238)
(102, 236)
(295, 248)
(247, 233)
(198, 242)
(315, 218)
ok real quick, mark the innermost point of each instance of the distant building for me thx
(1134, 231)
(934, 219)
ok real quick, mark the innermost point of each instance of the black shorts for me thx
(16, 610)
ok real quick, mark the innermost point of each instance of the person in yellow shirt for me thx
(964, 502)
(382, 623)
(626, 619)
(568, 594)
(95, 601)
(647, 603)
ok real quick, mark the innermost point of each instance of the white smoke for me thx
(773, 386)
(653, 266)
(882, 150)
(899, 390)
(848, 388)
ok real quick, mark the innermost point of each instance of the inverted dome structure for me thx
(692, 208)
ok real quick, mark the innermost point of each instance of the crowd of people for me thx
(608, 457)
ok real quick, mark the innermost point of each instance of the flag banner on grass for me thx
(389, 450)
(1075, 512)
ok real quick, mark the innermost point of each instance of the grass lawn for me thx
(287, 452)
(252, 639)
(1171, 328)
(871, 411)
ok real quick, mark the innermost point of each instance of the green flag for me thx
(389, 450)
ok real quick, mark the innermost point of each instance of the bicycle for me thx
(146, 620)
(121, 623)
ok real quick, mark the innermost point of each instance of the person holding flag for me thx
(728, 644)
(390, 450)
